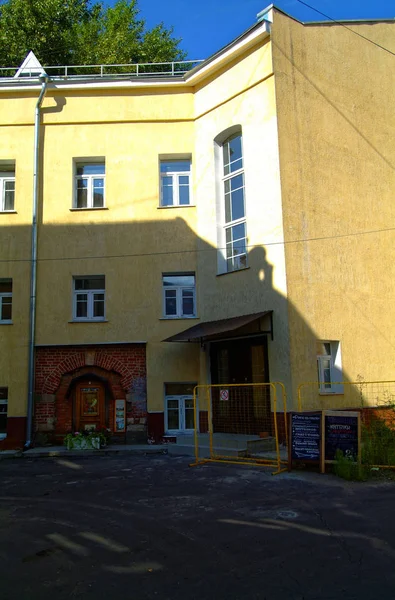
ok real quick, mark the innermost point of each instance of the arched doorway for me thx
(89, 409)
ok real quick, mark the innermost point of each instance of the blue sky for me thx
(208, 25)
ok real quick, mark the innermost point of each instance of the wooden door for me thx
(247, 410)
(89, 406)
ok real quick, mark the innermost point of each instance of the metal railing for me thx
(242, 423)
(112, 71)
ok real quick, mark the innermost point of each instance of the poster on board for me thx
(120, 421)
(342, 432)
(306, 436)
(317, 436)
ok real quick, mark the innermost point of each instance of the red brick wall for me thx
(53, 362)
(122, 369)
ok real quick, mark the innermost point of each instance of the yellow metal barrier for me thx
(376, 402)
(241, 423)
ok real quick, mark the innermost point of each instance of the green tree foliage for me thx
(66, 32)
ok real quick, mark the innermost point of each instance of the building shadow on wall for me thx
(132, 257)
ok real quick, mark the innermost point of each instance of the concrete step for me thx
(220, 440)
(261, 445)
(204, 451)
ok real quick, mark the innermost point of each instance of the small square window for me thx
(175, 182)
(179, 300)
(3, 412)
(89, 298)
(7, 188)
(5, 300)
(90, 185)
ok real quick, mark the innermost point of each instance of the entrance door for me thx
(247, 409)
(180, 416)
(89, 406)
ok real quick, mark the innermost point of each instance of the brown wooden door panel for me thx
(89, 406)
(247, 410)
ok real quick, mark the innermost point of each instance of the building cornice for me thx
(256, 34)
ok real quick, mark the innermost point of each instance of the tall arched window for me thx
(235, 230)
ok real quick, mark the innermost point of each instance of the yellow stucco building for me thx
(226, 223)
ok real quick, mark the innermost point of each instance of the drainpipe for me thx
(33, 271)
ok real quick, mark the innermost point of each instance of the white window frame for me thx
(179, 289)
(181, 400)
(4, 295)
(241, 221)
(220, 177)
(175, 175)
(90, 188)
(90, 294)
(4, 401)
(6, 176)
(335, 385)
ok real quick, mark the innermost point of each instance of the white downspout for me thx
(33, 271)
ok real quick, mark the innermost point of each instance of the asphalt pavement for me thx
(151, 527)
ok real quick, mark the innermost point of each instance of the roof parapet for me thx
(266, 14)
(31, 69)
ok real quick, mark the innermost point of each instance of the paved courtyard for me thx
(151, 527)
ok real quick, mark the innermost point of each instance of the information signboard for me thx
(317, 436)
(119, 415)
(306, 436)
(341, 433)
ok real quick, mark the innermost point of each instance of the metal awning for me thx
(226, 328)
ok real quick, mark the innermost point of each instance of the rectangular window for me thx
(7, 188)
(179, 295)
(89, 298)
(234, 199)
(3, 412)
(5, 300)
(175, 182)
(179, 407)
(89, 185)
(329, 367)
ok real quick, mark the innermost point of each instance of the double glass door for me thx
(179, 414)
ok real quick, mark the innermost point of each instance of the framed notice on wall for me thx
(120, 414)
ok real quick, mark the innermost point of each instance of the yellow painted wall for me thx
(334, 94)
(244, 95)
(15, 243)
(143, 239)
(131, 242)
(319, 155)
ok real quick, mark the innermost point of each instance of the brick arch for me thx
(64, 407)
(78, 361)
